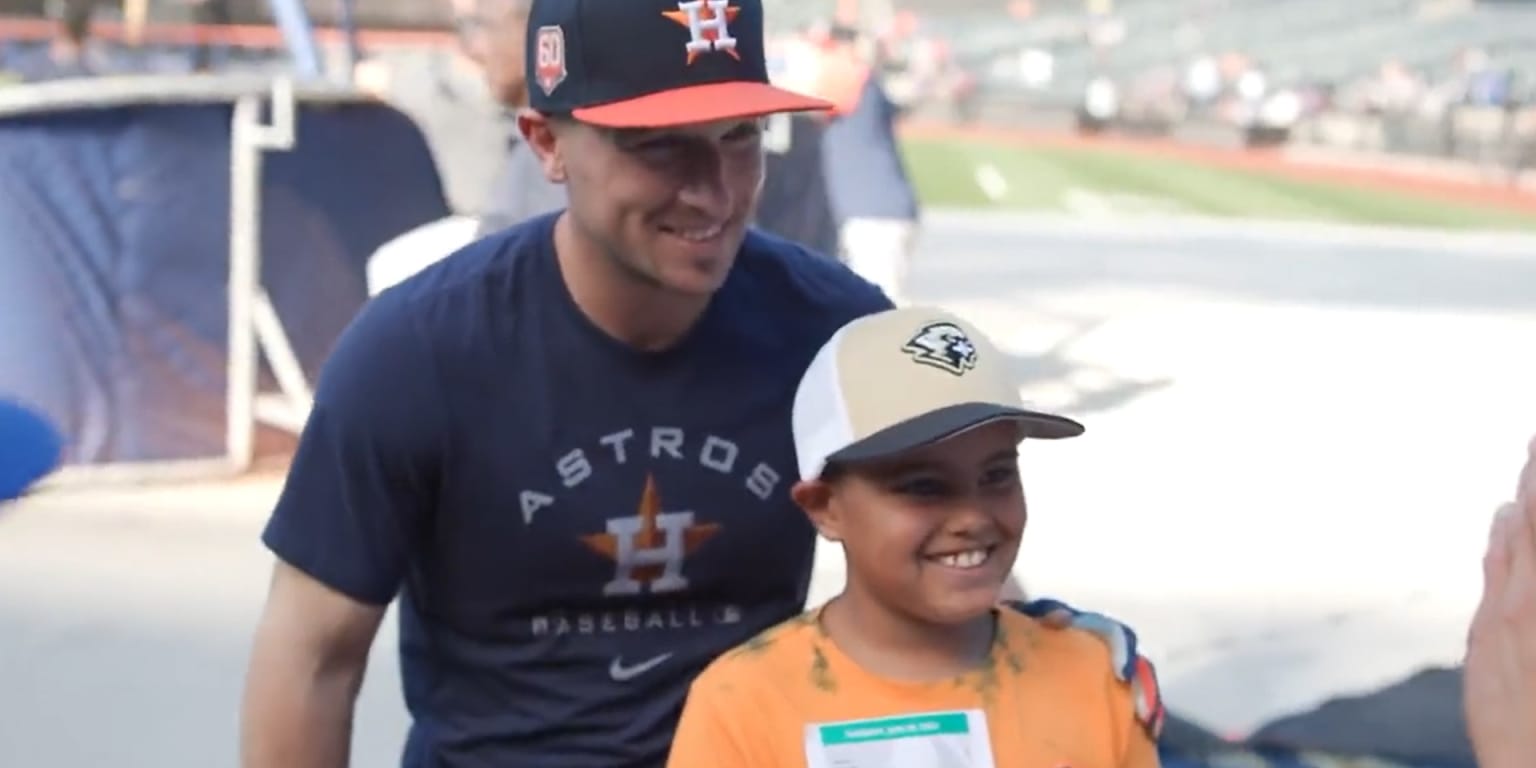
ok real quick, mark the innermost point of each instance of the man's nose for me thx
(704, 184)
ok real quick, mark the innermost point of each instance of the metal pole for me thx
(248, 139)
(299, 36)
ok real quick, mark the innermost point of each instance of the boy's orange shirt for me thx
(1049, 699)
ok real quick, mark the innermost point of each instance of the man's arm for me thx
(359, 491)
(305, 671)
(1130, 667)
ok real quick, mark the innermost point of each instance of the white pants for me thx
(879, 250)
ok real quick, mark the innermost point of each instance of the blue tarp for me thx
(114, 232)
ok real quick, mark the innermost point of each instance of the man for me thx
(867, 180)
(566, 447)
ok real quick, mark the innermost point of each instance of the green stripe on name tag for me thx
(895, 728)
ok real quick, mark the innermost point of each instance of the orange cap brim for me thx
(733, 100)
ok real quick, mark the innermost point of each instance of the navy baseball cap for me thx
(653, 63)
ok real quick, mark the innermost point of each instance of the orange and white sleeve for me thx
(707, 736)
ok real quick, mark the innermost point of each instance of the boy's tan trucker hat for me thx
(889, 382)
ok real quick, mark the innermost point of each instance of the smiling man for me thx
(567, 447)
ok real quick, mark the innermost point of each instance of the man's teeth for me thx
(969, 559)
(698, 235)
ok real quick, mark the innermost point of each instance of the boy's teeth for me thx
(969, 559)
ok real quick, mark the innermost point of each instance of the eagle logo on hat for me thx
(942, 345)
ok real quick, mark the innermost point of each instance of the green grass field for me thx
(979, 174)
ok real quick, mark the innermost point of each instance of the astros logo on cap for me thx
(708, 26)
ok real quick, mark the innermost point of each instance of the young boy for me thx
(906, 427)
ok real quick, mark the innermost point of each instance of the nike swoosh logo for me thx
(619, 672)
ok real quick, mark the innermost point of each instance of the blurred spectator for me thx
(493, 35)
(210, 13)
(1202, 80)
(71, 53)
(870, 191)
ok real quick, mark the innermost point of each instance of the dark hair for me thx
(76, 21)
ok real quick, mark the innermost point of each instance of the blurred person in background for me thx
(491, 33)
(1500, 670)
(871, 193)
(70, 53)
(208, 13)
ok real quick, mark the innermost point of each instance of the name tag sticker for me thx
(929, 740)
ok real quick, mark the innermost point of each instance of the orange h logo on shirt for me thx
(648, 548)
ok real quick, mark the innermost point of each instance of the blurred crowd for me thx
(916, 66)
(1236, 89)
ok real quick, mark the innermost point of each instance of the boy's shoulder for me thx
(1083, 660)
(765, 655)
(1058, 651)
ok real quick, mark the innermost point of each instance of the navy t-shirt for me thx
(575, 528)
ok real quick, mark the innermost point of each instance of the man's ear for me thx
(815, 497)
(540, 133)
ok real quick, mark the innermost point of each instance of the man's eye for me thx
(744, 133)
(658, 146)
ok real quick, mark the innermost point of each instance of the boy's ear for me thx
(815, 497)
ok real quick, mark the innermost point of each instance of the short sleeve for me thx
(364, 476)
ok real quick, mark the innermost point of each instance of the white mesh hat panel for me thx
(820, 416)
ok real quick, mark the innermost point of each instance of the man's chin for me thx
(698, 283)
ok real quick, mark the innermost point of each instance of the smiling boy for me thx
(906, 428)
